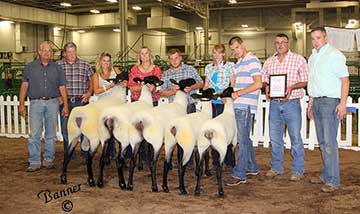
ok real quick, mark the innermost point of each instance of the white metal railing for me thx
(14, 126)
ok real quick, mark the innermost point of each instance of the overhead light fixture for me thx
(65, 4)
(112, 1)
(136, 8)
(179, 6)
(57, 28)
(81, 31)
(199, 28)
(232, 1)
(159, 0)
(116, 30)
(6, 22)
(244, 25)
(94, 11)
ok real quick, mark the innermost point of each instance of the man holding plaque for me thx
(285, 76)
(328, 90)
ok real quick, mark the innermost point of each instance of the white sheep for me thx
(115, 121)
(183, 131)
(83, 120)
(217, 133)
(151, 124)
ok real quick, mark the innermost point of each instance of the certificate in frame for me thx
(277, 85)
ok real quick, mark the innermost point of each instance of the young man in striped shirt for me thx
(286, 110)
(248, 83)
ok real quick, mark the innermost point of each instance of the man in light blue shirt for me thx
(328, 87)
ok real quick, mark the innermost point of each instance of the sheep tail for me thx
(173, 131)
(109, 124)
(139, 126)
(209, 134)
(78, 121)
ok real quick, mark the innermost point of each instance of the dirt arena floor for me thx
(19, 190)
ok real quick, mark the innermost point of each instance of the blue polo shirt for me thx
(326, 68)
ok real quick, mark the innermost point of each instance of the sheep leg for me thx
(198, 172)
(142, 154)
(207, 161)
(132, 167)
(89, 161)
(218, 165)
(181, 170)
(67, 159)
(120, 162)
(153, 161)
(167, 168)
(104, 156)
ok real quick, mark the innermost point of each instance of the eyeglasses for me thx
(281, 43)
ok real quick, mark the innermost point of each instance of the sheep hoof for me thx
(100, 184)
(63, 179)
(221, 193)
(129, 187)
(154, 189)
(183, 192)
(91, 182)
(208, 173)
(140, 167)
(197, 193)
(165, 188)
(122, 186)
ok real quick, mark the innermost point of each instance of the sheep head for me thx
(154, 80)
(206, 95)
(119, 78)
(184, 83)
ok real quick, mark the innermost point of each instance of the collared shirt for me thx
(294, 65)
(136, 72)
(245, 69)
(219, 77)
(326, 68)
(78, 76)
(43, 81)
(184, 72)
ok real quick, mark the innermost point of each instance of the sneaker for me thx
(48, 164)
(253, 173)
(235, 181)
(296, 176)
(33, 168)
(271, 173)
(316, 180)
(327, 188)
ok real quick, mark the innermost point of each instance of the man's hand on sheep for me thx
(175, 88)
(187, 89)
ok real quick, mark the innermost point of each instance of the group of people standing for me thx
(70, 83)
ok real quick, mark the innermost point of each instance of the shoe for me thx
(48, 164)
(33, 168)
(271, 173)
(253, 173)
(235, 182)
(327, 188)
(316, 180)
(296, 176)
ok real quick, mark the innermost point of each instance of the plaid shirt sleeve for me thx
(303, 70)
(89, 71)
(265, 71)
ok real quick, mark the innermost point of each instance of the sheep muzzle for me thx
(139, 126)
(209, 135)
(173, 131)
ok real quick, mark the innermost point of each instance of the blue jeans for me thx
(42, 113)
(217, 109)
(246, 156)
(326, 124)
(64, 122)
(288, 113)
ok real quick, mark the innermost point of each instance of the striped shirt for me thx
(78, 76)
(184, 72)
(245, 69)
(294, 65)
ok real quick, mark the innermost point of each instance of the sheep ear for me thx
(137, 79)
(159, 83)
(174, 82)
(196, 96)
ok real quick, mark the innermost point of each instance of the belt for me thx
(43, 98)
(74, 99)
(280, 100)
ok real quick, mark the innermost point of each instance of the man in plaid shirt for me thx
(286, 110)
(78, 75)
(180, 71)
